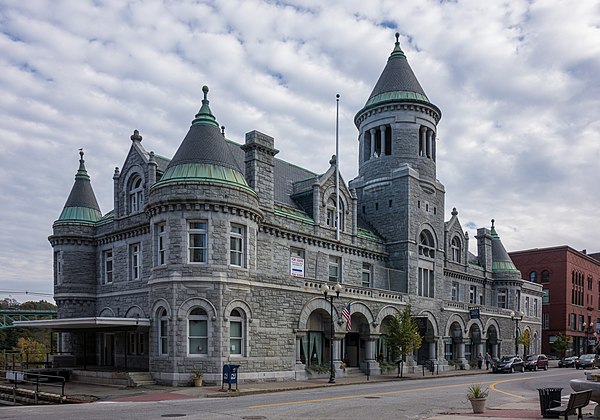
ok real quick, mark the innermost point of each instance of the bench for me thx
(577, 400)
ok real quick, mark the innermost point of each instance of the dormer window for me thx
(331, 219)
(456, 249)
(136, 195)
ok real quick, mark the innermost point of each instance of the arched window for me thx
(426, 279)
(533, 277)
(456, 249)
(136, 195)
(545, 276)
(331, 219)
(163, 332)
(236, 333)
(198, 332)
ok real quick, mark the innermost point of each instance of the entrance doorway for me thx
(108, 350)
(353, 349)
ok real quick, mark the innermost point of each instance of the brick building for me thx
(571, 288)
(222, 254)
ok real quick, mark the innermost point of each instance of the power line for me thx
(25, 292)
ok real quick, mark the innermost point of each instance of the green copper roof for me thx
(80, 214)
(204, 154)
(501, 261)
(203, 172)
(81, 204)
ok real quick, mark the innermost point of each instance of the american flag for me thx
(347, 317)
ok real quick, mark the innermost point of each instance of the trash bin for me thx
(547, 398)
(230, 376)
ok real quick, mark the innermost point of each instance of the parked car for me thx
(509, 364)
(587, 361)
(535, 362)
(567, 361)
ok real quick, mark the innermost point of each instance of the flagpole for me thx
(337, 168)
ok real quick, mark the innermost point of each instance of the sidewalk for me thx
(529, 409)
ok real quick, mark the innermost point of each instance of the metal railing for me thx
(14, 360)
(24, 384)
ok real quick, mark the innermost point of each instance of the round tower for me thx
(74, 245)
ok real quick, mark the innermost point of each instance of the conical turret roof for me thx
(81, 206)
(397, 83)
(204, 153)
(501, 261)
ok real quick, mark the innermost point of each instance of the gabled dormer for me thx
(141, 170)
(318, 196)
(456, 242)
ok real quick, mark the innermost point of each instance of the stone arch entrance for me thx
(492, 342)
(474, 352)
(455, 344)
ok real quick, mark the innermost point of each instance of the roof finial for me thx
(81, 155)
(205, 90)
(332, 160)
(136, 136)
(223, 130)
(493, 223)
(397, 36)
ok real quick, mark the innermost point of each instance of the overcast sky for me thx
(518, 83)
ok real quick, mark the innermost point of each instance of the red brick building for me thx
(571, 302)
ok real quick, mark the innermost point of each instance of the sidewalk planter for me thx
(477, 394)
(478, 405)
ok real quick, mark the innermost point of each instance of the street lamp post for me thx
(586, 342)
(516, 316)
(337, 288)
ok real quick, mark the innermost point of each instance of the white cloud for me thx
(517, 83)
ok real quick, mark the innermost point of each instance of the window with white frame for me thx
(236, 245)
(198, 332)
(366, 275)
(136, 195)
(455, 290)
(335, 269)
(135, 262)
(107, 256)
(501, 298)
(331, 218)
(161, 244)
(535, 308)
(456, 249)
(425, 286)
(163, 333)
(236, 333)
(197, 242)
(58, 268)
(526, 305)
(473, 294)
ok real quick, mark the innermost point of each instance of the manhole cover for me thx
(173, 415)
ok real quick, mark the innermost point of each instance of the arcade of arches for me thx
(364, 345)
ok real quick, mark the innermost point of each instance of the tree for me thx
(403, 335)
(561, 344)
(525, 341)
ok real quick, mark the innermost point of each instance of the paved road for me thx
(415, 399)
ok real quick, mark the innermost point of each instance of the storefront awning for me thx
(90, 323)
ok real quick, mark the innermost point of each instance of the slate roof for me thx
(81, 205)
(501, 261)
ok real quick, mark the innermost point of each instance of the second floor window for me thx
(455, 289)
(236, 245)
(366, 275)
(135, 262)
(108, 267)
(161, 244)
(197, 244)
(58, 270)
(473, 294)
(502, 298)
(335, 269)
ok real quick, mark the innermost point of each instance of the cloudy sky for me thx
(518, 83)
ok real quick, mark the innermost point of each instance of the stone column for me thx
(432, 349)
(300, 367)
(423, 140)
(372, 131)
(371, 364)
(428, 142)
(382, 139)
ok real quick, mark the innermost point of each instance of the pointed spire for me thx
(205, 116)
(501, 261)
(81, 205)
(204, 153)
(397, 82)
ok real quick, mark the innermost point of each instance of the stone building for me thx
(222, 254)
